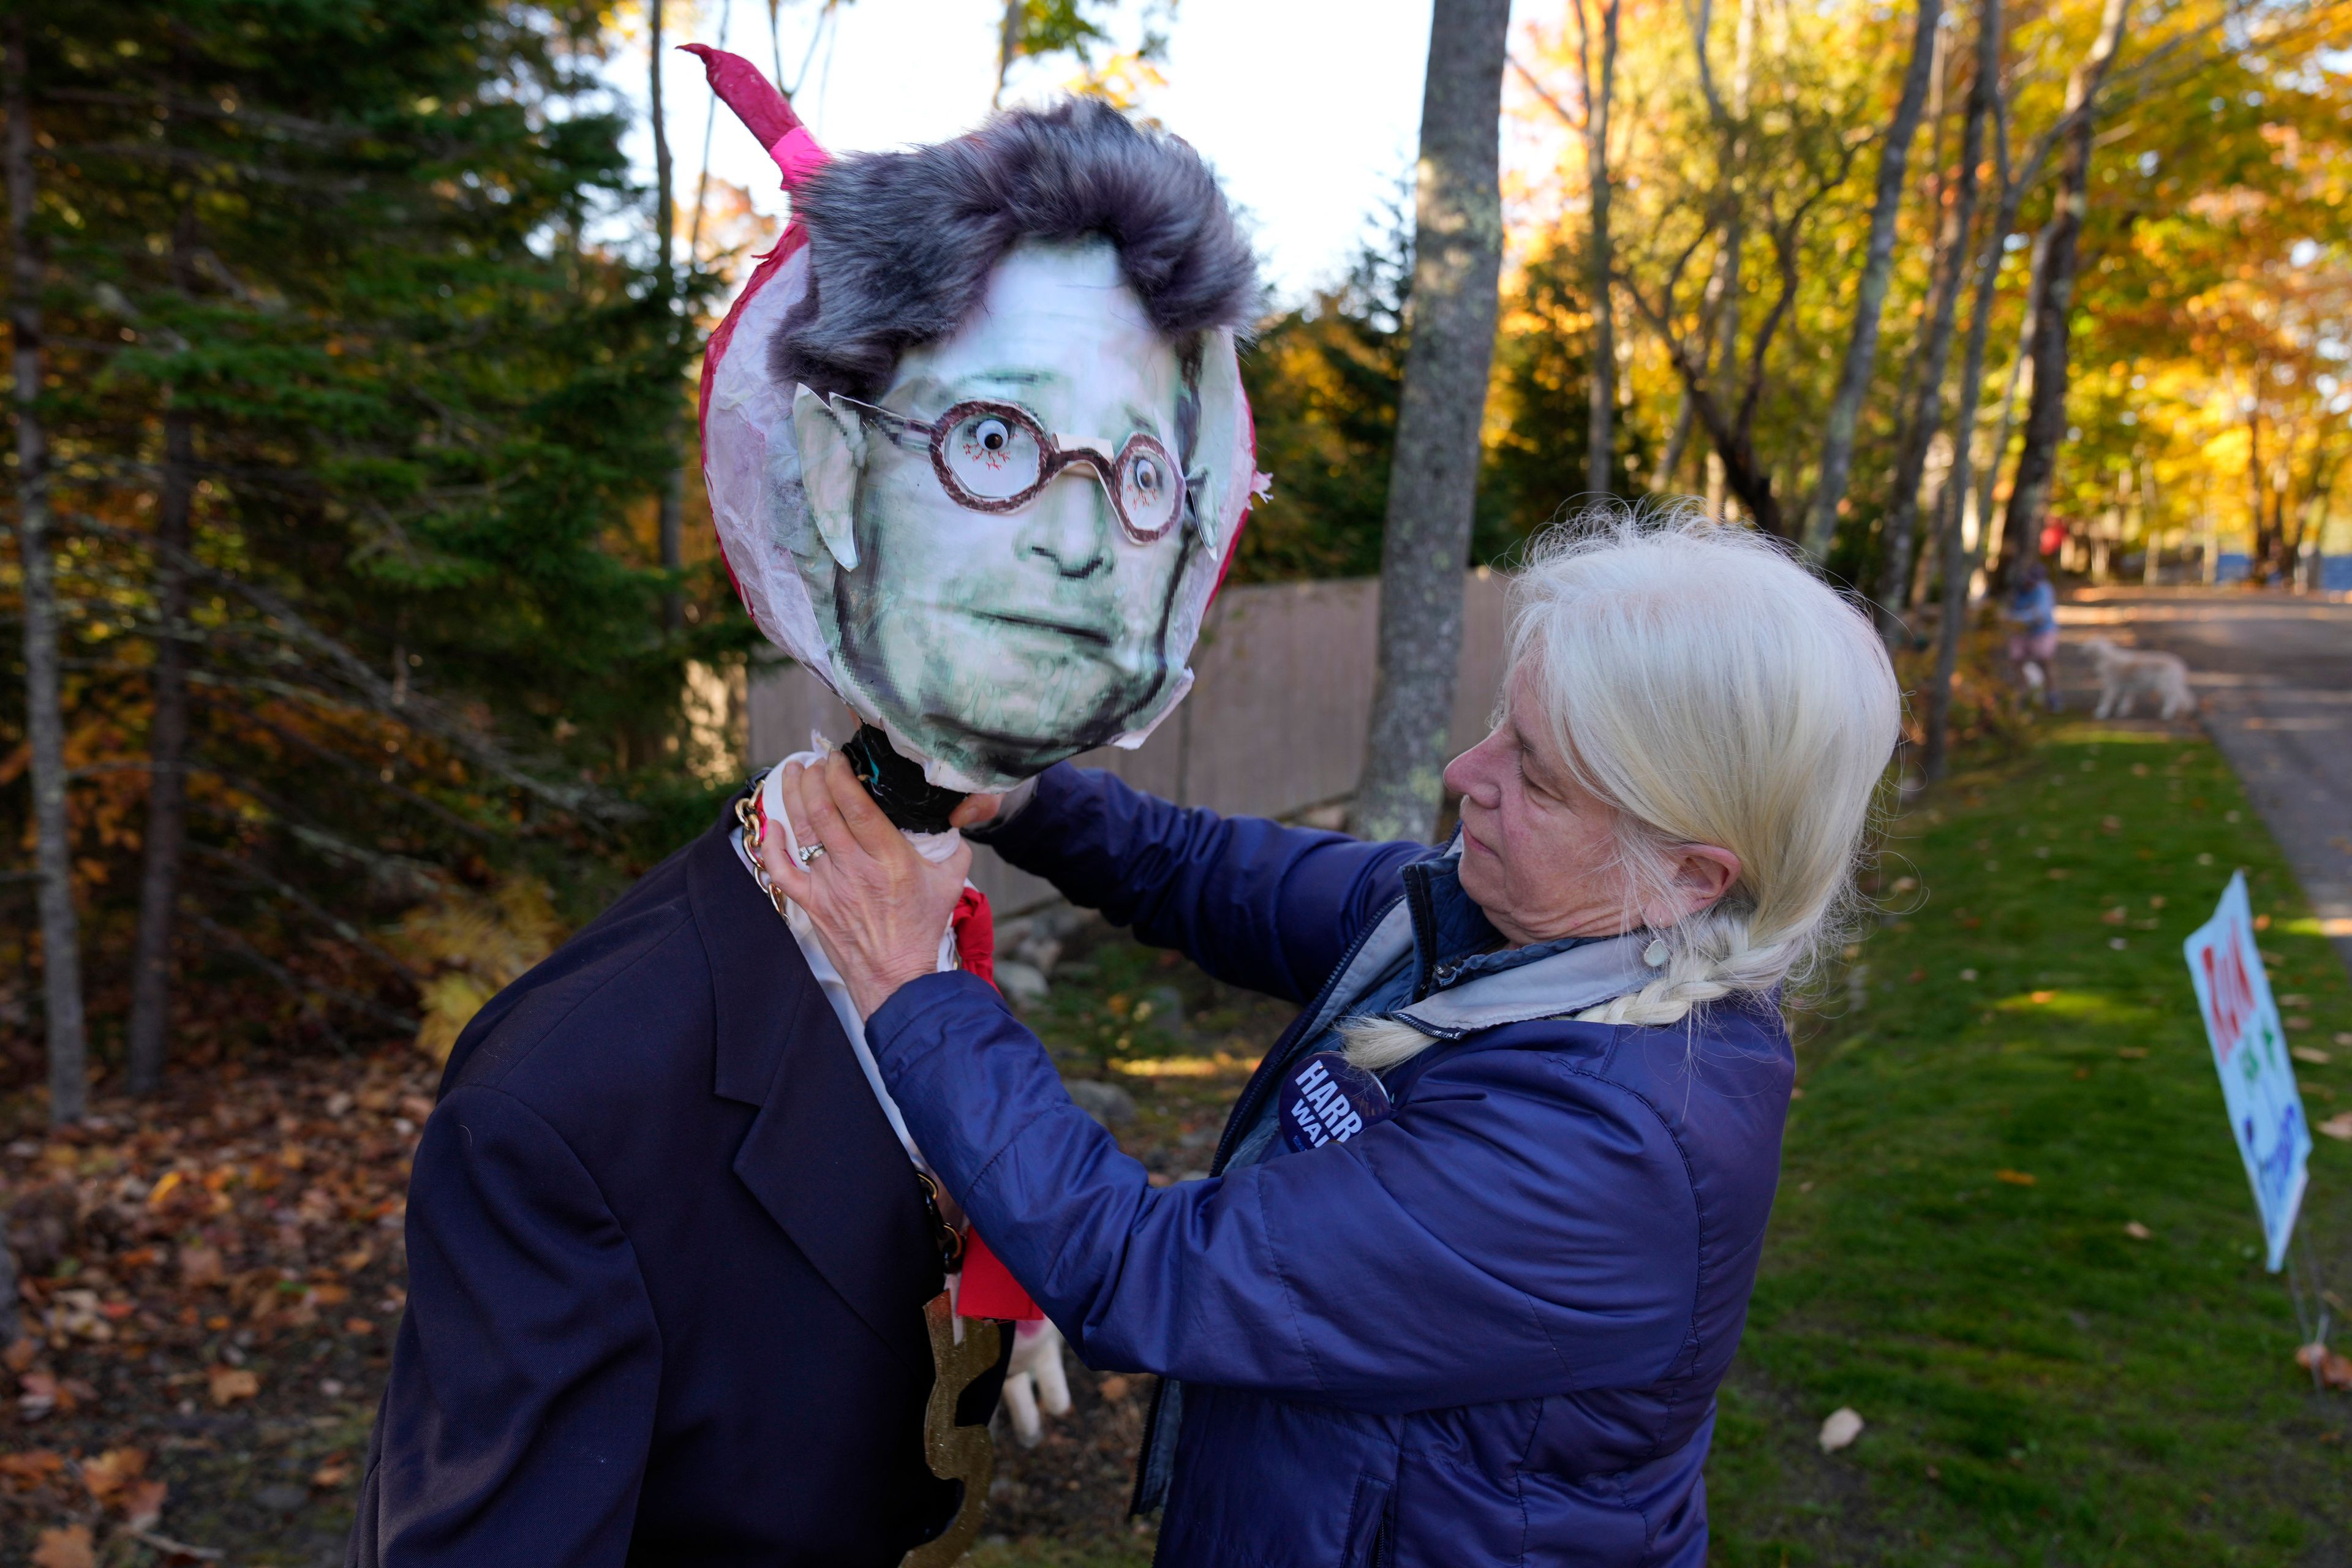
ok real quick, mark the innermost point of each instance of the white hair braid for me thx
(1709, 956)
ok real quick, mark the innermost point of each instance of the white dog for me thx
(2124, 673)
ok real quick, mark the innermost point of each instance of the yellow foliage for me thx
(472, 946)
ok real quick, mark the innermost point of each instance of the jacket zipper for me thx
(1245, 1111)
(1245, 1107)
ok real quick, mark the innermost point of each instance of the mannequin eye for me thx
(1149, 492)
(992, 456)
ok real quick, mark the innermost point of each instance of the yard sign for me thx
(2250, 1050)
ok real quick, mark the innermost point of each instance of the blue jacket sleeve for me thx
(1252, 902)
(521, 1404)
(1518, 1229)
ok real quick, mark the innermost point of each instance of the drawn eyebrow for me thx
(1010, 377)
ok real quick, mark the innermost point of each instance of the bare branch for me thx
(1575, 121)
(415, 710)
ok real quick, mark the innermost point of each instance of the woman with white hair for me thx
(1479, 1236)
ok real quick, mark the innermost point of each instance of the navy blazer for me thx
(666, 1267)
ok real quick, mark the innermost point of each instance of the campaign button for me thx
(1327, 1100)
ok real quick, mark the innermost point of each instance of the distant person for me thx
(2033, 608)
(1481, 1231)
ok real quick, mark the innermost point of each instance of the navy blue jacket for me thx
(1486, 1331)
(666, 1267)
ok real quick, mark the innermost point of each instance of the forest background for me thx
(388, 638)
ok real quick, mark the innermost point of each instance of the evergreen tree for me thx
(1323, 382)
(359, 432)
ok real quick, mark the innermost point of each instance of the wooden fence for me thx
(1273, 726)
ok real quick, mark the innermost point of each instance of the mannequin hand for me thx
(878, 907)
(1036, 1380)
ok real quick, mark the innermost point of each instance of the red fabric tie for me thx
(989, 1289)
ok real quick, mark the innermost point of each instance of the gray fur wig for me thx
(901, 244)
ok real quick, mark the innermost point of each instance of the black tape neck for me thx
(912, 801)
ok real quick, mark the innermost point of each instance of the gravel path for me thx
(2273, 676)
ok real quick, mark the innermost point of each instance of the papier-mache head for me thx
(975, 437)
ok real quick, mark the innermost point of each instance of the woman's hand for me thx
(878, 907)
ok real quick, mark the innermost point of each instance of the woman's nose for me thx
(1069, 526)
(1469, 774)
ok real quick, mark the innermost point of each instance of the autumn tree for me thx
(1870, 291)
(2054, 301)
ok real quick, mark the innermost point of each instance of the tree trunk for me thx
(1008, 49)
(1433, 472)
(1725, 350)
(1993, 546)
(1662, 478)
(44, 710)
(1984, 105)
(2045, 417)
(12, 1323)
(167, 730)
(1943, 308)
(1745, 473)
(1600, 431)
(2258, 544)
(673, 490)
(1878, 272)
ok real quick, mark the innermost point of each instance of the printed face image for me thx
(1013, 609)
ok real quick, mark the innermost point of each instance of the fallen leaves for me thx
(2333, 1369)
(230, 1383)
(2311, 1054)
(39, 1391)
(30, 1469)
(117, 1478)
(67, 1548)
(2136, 1231)
(2015, 1178)
(113, 1471)
(2338, 1126)
(1843, 1425)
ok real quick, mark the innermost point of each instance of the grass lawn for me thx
(2009, 1073)
(2040, 1386)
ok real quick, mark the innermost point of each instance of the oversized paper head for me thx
(975, 437)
